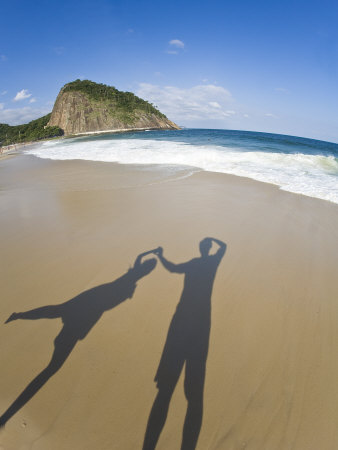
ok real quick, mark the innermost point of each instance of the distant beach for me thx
(70, 227)
(11, 149)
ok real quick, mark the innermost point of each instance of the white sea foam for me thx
(311, 175)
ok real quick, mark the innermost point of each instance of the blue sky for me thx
(253, 65)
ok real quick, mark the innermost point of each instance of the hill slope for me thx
(85, 106)
(32, 131)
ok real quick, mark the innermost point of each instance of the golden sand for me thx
(272, 366)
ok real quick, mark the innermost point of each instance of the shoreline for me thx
(300, 188)
(121, 130)
(14, 147)
(268, 183)
(5, 149)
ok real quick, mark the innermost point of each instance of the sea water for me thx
(299, 165)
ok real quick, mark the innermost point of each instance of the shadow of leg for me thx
(168, 373)
(193, 388)
(63, 348)
(192, 424)
(157, 418)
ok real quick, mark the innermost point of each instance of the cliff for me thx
(85, 106)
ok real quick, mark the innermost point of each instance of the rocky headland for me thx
(87, 107)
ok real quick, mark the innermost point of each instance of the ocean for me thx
(299, 165)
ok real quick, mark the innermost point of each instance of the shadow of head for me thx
(205, 246)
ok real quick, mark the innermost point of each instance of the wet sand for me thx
(272, 366)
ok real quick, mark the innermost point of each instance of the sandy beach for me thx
(70, 234)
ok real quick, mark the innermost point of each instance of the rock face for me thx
(76, 112)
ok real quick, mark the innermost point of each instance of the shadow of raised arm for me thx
(79, 315)
(170, 266)
(186, 346)
(222, 247)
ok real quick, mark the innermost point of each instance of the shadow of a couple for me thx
(187, 340)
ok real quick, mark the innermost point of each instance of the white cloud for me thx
(3, 58)
(270, 115)
(3, 93)
(201, 102)
(32, 100)
(17, 116)
(2, 105)
(21, 95)
(172, 52)
(176, 43)
(215, 105)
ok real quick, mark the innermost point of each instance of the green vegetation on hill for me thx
(32, 131)
(124, 106)
(120, 103)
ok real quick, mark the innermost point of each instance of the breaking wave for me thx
(304, 172)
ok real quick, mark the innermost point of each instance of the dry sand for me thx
(272, 367)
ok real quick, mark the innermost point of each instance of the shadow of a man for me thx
(187, 343)
(79, 315)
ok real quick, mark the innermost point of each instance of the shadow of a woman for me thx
(79, 315)
(187, 343)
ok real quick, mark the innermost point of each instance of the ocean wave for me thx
(308, 174)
